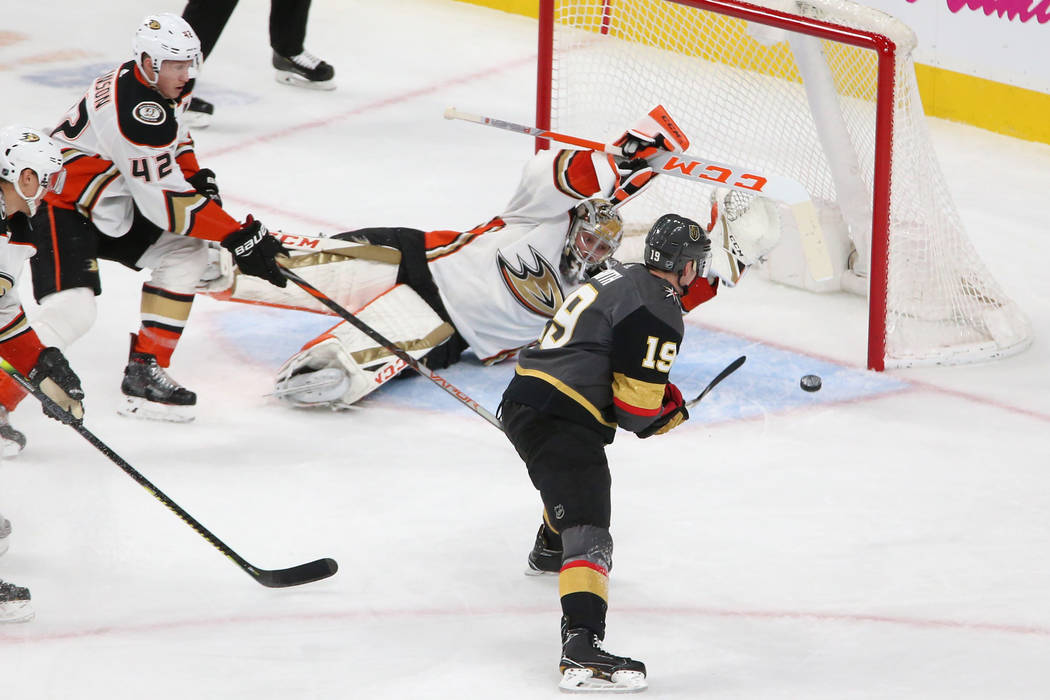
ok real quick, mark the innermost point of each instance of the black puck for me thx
(810, 382)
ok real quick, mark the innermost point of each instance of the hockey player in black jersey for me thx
(602, 362)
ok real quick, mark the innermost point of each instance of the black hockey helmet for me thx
(675, 240)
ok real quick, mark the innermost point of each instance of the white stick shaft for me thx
(707, 172)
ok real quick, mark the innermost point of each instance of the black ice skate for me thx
(14, 603)
(5, 532)
(198, 113)
(546, 554)
(150, 393)
(11, 440)
(587, 668)
(304, 70)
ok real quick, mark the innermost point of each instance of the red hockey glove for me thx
(672, 413)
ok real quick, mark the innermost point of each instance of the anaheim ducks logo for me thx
(154, 25)
(149, 113)
(30, 137)
(6, 283)
(534, 283)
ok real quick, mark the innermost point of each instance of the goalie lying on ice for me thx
(436, 293)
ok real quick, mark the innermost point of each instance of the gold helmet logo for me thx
(154, 25)
(694, 232)
(30, 137)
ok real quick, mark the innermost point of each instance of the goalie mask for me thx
(675, 240)
(594, 235)
(22, 148)
(166, 37)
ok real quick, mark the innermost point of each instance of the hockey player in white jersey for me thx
(28, 162)
(133, 192)
(436, 293)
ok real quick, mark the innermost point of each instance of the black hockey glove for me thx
(255, 252)
(53, 376)
(204, 182)
(672, 414)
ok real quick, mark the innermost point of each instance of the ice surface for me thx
(885, 537)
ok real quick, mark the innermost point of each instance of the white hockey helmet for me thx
(22, 148)
(166, 37)
(594, 235)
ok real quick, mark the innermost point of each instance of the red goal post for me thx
(823, 91)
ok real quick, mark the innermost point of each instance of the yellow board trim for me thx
(987, 104)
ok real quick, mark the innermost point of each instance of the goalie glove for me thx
(204, 182)
(672, 413)
(255, 251)
(654, 132)
(53, 376)
(632, 182)
(744, 229)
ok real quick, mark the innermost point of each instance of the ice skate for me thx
(198, 113)
(304, 70)
(5, 533)
(587, 668)
(546, 554)
(321, 387)
(11, 440)
(150, 393)
(14, 603)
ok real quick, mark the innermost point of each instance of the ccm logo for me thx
(713, 173)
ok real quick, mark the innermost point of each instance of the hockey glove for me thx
(632, 181)
(672, 413)
(255, 251)
(638, 146)
(53, 376)
(204, 182)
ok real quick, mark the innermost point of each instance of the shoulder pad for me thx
(145, 118)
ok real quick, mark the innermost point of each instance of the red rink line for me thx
(372, 106)
(914, 383)
(13, 634)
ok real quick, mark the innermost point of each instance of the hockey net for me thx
(822, 91)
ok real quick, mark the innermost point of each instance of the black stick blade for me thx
(297, 575)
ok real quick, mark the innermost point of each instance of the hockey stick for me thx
(733, 366)
(392, 347)
(708, 172)
(271, 578)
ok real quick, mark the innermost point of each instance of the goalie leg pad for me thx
(351, 274)
(361, 365)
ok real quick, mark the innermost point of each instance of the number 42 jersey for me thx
(603, 360)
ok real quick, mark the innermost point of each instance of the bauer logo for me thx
(149, 113)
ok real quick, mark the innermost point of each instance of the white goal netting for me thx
(790, 104)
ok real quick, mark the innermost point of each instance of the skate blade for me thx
(536, 572)
(9, 448)
(135, 407)
(319, 388)
(582, 680)
(16, 611)
(295, 80)
(196, 120)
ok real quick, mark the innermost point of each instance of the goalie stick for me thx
(392, 347)
(708, 172)
(733, 366)
(271, 578)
